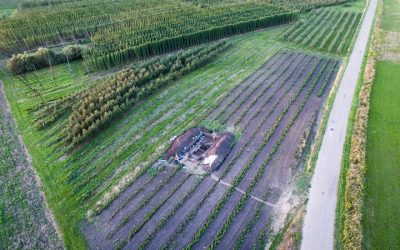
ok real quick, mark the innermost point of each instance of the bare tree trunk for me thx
(34, 90)
(51, 68)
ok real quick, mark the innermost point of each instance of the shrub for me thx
(73, 52)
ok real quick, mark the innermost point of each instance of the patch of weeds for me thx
(303, 184)
(155, 169)
(213, 125)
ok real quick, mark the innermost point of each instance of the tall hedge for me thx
(100, 105)
(42, 58)
(111, 59)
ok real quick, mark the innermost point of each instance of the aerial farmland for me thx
(187, 124)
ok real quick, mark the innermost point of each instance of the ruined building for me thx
(200, 150)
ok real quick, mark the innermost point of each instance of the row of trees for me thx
(115, 94)
(113, 58)
(42, 58)
(41, 3)
(41, 26)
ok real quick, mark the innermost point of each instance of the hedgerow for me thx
(117, 45)
(120, 92)
(42, 58)
(354, 189)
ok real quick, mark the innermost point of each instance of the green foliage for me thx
(328, 30)
(117, 45)
(73, 52)
(42, 58)
(134, 28)
(120, 92)
(213, 125)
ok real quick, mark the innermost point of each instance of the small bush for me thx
(73, 52)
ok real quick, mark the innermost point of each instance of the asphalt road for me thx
(319, 222)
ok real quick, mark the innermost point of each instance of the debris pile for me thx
(200, 150)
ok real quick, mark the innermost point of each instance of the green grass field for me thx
(382, 207)
(391, 15)
(6, 12)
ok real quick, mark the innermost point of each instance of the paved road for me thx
(319, 222)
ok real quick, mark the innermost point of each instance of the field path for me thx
(319, 221)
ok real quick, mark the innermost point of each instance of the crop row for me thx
(253, 135)
(143, 202)
(180, 35)
(117, 93)
(132, 196)
(328, 78)
(261, 170)
(37, 27)
(291, 85)
(167, 217)
(243, 171)
(260, 94)
(170, 241)
(317, 31)
(256, 89)
(313, 21)
(328, 30)
(239, 89)
(149, 214)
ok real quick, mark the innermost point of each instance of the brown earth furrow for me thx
(244, 158)
(162, 212)
(208, 236)
(147, 191)
(255, 130)
(275, 97)
(255, 87)
(259, 160)
(139, 215)
(260, 225)
(241, 220)
(170, 228)
(264, 92)
(184, 238)
(278, 56)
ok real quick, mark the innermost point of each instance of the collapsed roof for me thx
(200, 150)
